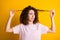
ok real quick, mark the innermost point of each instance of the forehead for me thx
(31, 11)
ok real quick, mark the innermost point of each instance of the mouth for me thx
(32, 18)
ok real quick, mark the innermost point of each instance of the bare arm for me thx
(8, 29)
(52, 29)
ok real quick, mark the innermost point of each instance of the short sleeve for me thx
(16, 29)
(44, 29)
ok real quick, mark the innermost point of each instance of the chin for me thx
(32, 20)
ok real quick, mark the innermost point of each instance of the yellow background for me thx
(44, 17)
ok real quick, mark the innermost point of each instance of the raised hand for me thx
(11, 13)
(52, 13)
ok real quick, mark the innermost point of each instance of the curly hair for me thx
(24, 15)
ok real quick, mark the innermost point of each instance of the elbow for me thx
(8, 30)
(54, 31)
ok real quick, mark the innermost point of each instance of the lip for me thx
(32, 18)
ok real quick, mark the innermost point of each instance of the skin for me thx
(31, 17)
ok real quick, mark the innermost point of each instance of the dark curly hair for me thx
(24, 15)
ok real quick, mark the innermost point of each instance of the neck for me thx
(30, 22)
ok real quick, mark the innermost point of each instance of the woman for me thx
(29, 27)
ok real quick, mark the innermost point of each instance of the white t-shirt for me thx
(31, 31)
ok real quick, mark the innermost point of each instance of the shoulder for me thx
(38, 24)
(19, 25)
(41, 25)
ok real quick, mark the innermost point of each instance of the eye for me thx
(30, 13)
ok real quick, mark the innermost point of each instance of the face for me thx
(31, 15)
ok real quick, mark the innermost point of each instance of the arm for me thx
(8, 29)
(52, 29)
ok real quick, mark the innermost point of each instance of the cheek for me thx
(29, 16)
(34, 16)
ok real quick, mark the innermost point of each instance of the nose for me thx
(32, 15)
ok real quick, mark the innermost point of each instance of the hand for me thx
(11, 13)
(52, 13)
